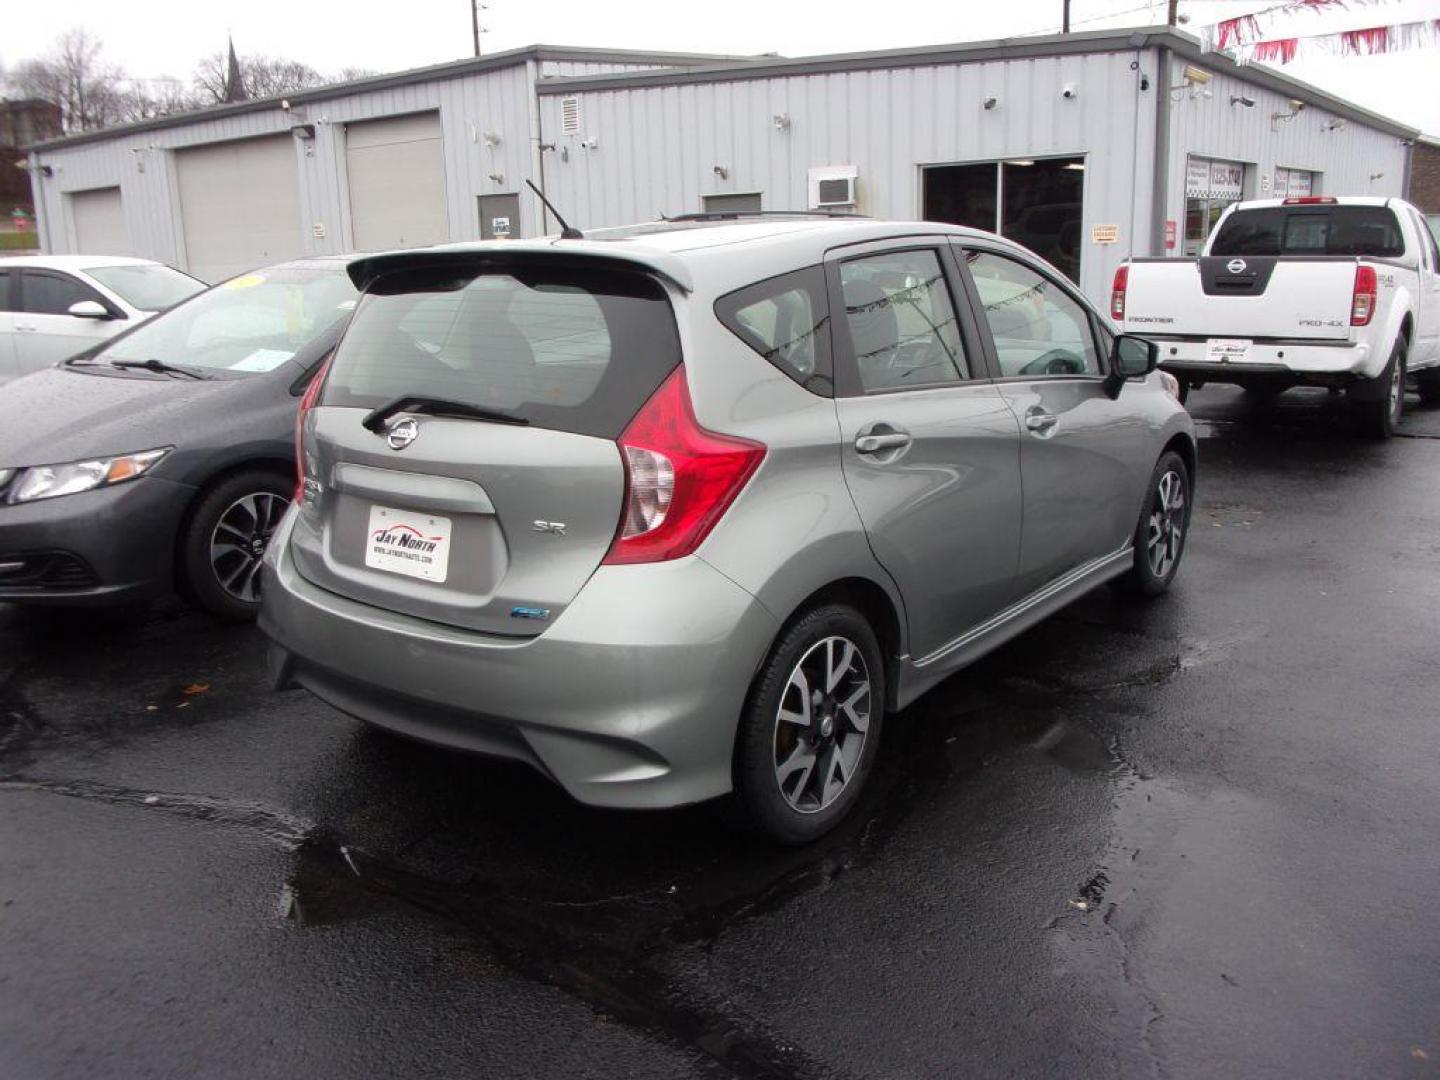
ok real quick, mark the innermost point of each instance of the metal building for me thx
(1087, 147)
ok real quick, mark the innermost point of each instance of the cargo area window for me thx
(785, 319)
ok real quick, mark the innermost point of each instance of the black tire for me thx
(1149, 576)
(784, 810)
(1379, 405)
(1427, 382)
(209, 580)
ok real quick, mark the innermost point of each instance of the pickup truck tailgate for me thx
(1241, 297)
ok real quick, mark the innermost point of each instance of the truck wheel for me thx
(811, 727)
(1379, 403)
(1162, 529)
(1428, 383)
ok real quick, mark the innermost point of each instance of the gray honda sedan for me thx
(688, 509)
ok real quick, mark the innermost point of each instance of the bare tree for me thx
(263, 76)
(91, 93)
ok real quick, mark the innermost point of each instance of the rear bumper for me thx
(631, 699)
(95, 549)
(1292, 363)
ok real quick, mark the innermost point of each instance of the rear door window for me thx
(6, 283)
(567, 349)
(786, 320)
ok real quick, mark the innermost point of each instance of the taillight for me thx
(1362, 303)
(1117, 292)
(1310, 200)
(307, 402)
(679, 478)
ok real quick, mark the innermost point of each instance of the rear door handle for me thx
(877, 444)
(1041, 423)
(26, 328)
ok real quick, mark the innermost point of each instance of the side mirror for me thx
(1131, 357)
(89, 309)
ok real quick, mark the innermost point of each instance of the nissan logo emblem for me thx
(402, 434)
(1236, 266)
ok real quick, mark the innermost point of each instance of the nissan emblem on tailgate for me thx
(1236, 266)
(402, 434)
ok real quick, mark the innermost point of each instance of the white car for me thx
(54, 306)
(1313, 291)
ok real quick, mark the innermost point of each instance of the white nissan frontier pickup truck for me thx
(1315, 291)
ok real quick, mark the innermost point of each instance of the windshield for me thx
(149, 288)
(248, 324)
(567, 349)
(1311, 230)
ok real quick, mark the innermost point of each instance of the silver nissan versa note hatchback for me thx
(687, 509)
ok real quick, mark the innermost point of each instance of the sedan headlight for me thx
(50, 481)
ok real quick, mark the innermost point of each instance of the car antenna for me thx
(567, 231)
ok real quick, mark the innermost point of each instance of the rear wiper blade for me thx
(375, 420)
(159, 365)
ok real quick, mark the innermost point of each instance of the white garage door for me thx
(239, 205)
(397, 182)
(99, 221)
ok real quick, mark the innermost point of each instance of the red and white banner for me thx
(1367, 41)
(1275, 35)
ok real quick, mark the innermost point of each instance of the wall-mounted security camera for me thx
(990, 103)
(721, 171)
(1335, 125)
(1296, 105)
(1070, 92)
(781, 121)
(1241, 99)
(591, 143)
(284, 104)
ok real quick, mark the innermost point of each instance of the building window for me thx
(1210, 186)
(1033, 202)
(1296, 183)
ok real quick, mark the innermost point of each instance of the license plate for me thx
(405, 542)
(1225, 350)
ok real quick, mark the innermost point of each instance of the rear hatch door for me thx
(436, 511)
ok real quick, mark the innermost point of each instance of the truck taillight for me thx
(1310, 200)
(1117, 292)
(307, 402)
(679, 478)
(1362, 304)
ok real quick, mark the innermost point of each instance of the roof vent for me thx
(570, 115)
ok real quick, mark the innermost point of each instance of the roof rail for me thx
(730, 215)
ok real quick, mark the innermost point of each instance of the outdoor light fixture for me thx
(990, 103)
(591, 143)
(1376, 176)
(1195, 80)
(1241, 99)
(781, 121)
(497, 177)
(1296, 106)
(1334, 125)
(492, 139)
(722, 172)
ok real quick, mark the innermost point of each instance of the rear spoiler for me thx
(594, 254)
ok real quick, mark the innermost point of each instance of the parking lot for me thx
(1194, 838)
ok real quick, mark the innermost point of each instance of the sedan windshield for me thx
(248, 324)
(149, 288)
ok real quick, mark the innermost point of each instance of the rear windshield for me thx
(1311, 230)
(149, 288)
(567, 349)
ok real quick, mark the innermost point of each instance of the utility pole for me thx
(475, 7)
(1065, 21)
(1171, 17)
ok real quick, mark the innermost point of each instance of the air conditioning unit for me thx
(833, 186)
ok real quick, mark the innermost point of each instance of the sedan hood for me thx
(59, 415)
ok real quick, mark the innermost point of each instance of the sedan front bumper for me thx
(110, 546)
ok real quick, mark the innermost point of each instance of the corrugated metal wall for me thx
(1211, 126)
(658, 146)
(497, 102)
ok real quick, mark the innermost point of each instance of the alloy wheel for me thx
(1397, 389)
(238, 543)
(1167, 524)
(821, 724)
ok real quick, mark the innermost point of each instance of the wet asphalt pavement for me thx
(1191, 838)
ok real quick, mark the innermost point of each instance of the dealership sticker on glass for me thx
(1220, 350)
(401, 542)
(262, 360)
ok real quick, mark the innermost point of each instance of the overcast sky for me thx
(152, 38)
